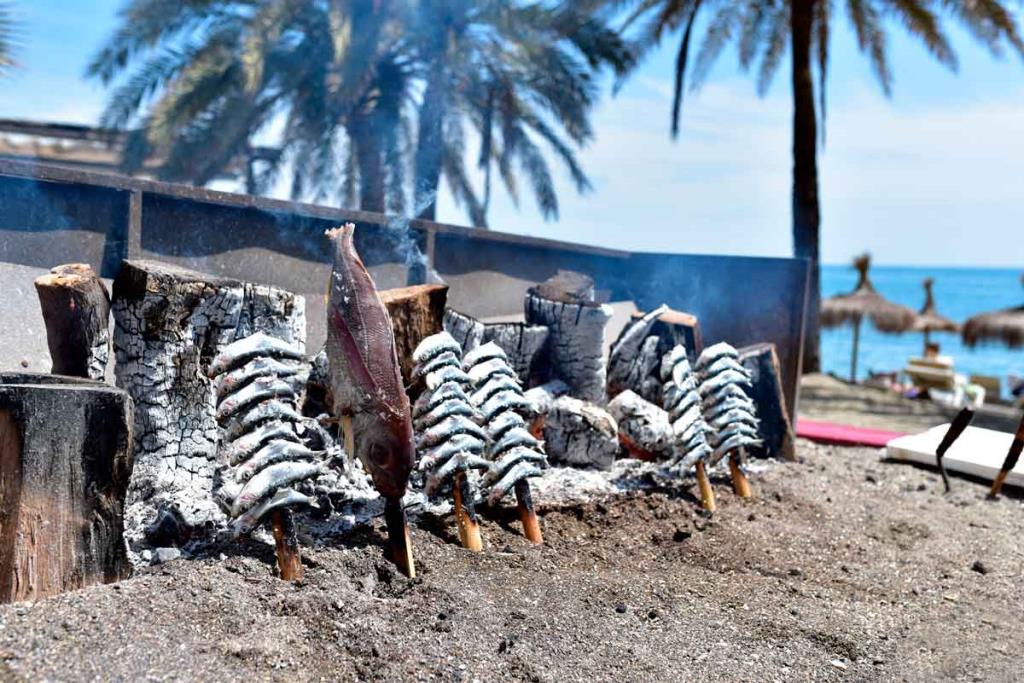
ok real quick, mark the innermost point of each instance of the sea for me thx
(959, 294)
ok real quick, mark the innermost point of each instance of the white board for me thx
(978, 452)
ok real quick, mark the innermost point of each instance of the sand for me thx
(843, 568)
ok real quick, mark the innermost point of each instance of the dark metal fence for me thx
(51, 215)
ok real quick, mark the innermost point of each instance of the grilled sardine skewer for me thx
(682, 401)
(367, 384)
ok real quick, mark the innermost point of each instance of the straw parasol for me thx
(865, 302)
(1006, 326)
(929, 320)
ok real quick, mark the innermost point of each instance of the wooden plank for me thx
(978, 452)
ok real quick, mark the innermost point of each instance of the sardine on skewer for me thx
(683, 403)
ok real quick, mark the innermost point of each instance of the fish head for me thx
(384, 444)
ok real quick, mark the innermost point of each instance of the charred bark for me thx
(169, 324)
(65, 463)
(466, 330)
(76, 310)
(776, 428)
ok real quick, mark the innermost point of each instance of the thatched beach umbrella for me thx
(865, 302)
(1006, 326)
(929, 320)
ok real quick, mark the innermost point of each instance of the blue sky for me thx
(931, 176)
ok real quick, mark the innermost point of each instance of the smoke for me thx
(407, 246)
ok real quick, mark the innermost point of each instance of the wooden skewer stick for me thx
(957, 428)
(1012, 456)
(399, 541)
(289, 561)
(350, 441)
(707, 494)
(527, 514)
(465, 515)
(740, 484)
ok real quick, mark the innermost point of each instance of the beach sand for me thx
(842, 568)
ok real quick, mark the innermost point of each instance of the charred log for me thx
(762, 363)
(580, 434)
(76, 310)
(526, 348)
(577, 323)
(65, 463)
(169, 325)
(644, 428)
(466, 330)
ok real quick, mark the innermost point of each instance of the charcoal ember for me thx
(466, 330)
(449, 438)
(267, 465)
(634, 355)
(565, 304)
(319, 396)
(644, 428)
(727, 407)
(681, 399)
(514, 453)
(580, 434)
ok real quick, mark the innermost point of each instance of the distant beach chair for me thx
(943, 385)
(990, 383)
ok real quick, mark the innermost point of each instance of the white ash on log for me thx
(76, 310)
(676, 328)
(449, 440)
(644, 428)
(65, 463)
(580, 434)
(541, 399)
(466, 330)
(416, 312)
(762, 364)
(634, 358)
(681, 398)
(515, 454)
(524, 345)
(565, 305)
(170, 323)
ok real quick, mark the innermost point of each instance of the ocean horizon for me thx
(960, 292)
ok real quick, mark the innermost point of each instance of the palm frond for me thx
(867, 25)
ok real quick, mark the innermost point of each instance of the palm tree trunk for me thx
(430, 144)
(364, 134)
(806, 214)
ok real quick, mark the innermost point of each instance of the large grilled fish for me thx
(364, 370)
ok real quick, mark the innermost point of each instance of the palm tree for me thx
(762, 31)
(519, 74)
(209, 75)
(8, 38)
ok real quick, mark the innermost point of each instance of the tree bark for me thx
(65, 463)
(76, 309)
(430, 143)
(806, 211)
(365, 135)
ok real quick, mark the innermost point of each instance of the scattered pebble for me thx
(620, 608)
(980, 567)
(839, 664)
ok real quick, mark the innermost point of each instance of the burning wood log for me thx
(367, 384)
(524, 345)
(264, 463)
(1012, 457)
(681, 399)
(515, 454)
(169, 324)
(644, 428)
(634, 357)
(416, 312)
(76, 310)
(565, 304)
(728, 409)
(580, 434)
(776, 429)
(65, 463)
(541, 399)
(467, 331)
(449, 438)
